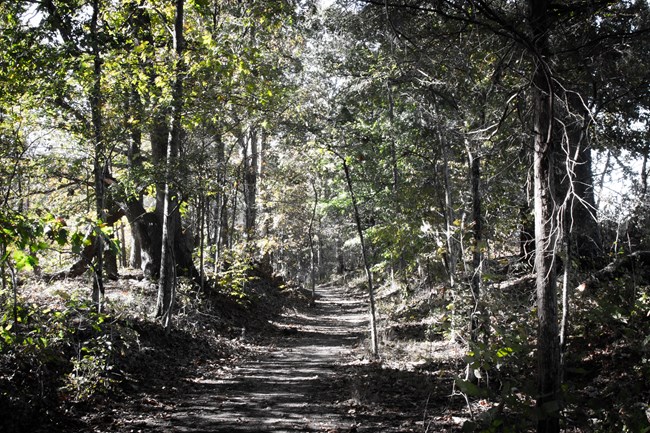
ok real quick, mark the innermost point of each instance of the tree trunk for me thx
(110, 264)
(366, 264)
(566, 281)
(312, 247)
(123, 258)
(220, 199)
(452, 243)
(477, 234)
(393, 150)
(171, 216)
(548, 350)
(250, 183)
(135, 253)
(134, 157)
(586, 242)
(202, 211)
(231, 225)
(96, 114)
(146, 230)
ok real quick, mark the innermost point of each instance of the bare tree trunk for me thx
(605, 171)
(366, 263)
(122, 236)
(111, 270)
(202, 212)
(250, 183)
(584, 233)
(312, 247)
(135, 252)
(526, 227)
(220, 210)
(477, 254)
(221, 221)
(393, 150)
(167, 282)
(319, 251)
(147, 232)
(95, 107)
(134, 109)
(231, 224)
(452, 242)
(566, 284)
(548, 350)
(159, 136)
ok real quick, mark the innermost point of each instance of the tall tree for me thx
(99, 166)
(544, 160)
(167, 281)
(374, 340)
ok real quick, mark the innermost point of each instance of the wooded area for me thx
(478, 168)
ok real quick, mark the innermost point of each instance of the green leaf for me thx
(504, 351)
(24, 261)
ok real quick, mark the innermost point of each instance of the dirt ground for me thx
(308, 372)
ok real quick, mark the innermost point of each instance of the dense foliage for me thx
(460, 149)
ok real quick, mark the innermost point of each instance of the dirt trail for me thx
(292, 387)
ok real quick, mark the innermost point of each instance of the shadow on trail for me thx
(292, 387)
(312, 377)
(390, 400)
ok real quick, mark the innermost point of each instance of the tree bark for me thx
(250, 183)
(644, 174)
(203, 203)
(147, 228)
(135, 160)
(548, 350)
(366, 264)
(171, 216)
(98, 139)
(452, 242)
(220, 214)
(312, 247)
(477, 234)
(123, 258)
(135, 252)
(159, 137)
(526, 233)
(147, 231)
(585, 239)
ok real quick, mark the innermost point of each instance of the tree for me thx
(374, 342)
(312, 246)
(99, 166)
(544, 163)
(171, 215)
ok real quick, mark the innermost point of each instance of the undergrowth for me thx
(59, 358)
(53, 356)
(606, 381)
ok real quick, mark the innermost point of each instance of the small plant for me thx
(499, 380)
(75, 343)
(92, 361)
(236, 274)
(91, 369)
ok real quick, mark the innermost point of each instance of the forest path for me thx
(294, 385)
